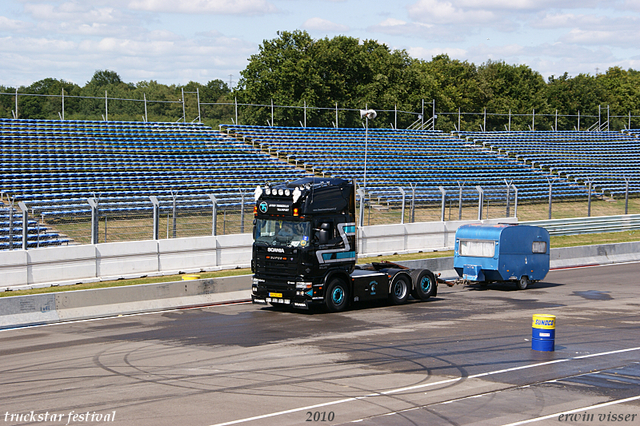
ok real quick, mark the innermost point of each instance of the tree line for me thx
(298, 71)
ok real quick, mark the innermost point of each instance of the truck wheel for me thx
(399, 289)
(522, 283)
(337, 296)
(424, 284)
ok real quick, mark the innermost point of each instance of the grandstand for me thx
(426, 159)
(604, 158)
(55, 166)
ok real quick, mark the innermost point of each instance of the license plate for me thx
(275, 295)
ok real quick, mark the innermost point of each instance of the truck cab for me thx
(304, 250)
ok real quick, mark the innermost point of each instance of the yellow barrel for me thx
(543, 334)
(190, 277)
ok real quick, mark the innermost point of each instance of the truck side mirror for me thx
(323, 233)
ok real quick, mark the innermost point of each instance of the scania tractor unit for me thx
(304, 251)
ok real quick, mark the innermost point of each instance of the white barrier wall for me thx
(73, 264)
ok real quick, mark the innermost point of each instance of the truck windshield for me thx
(282, 233)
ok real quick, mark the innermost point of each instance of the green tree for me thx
(7, 101)
(622, 89)
(296, 70)
(517, 88)
(47, 104)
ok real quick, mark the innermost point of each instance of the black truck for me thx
(304, 251)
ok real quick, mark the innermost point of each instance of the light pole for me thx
(367, 114)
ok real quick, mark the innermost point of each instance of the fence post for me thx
(93, 202)
(272, 119)
(403, 200)
(434, 116)
(156, 217)
(174, 220)
(480, 201)
(214, 227)
(626, 196)
(198, 98)
(395, 117)
(590, 181)
(62, 104)
(484, 128)
(25, 224)
(444, 197)
(578, 120)
(515, 207)
(361, 214)
(106, 106)
(235, 100)
(550, 185)
(508, 195)
(16, 115)
(533, 120)
(413, 202)
(242, 211)
(11, 222)
(460, 199)
(184, 110)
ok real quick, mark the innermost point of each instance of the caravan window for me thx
(539, 247)
(477, 248)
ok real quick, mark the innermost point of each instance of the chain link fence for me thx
(428, 205)
(189, 107)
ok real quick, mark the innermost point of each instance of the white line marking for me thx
(577, 410)
(426, 385)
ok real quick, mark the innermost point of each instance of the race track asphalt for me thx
(461, 358)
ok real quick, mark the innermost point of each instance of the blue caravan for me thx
(488, 253)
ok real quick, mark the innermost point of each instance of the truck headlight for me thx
(303, 285)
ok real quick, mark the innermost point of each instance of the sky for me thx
(174, 42)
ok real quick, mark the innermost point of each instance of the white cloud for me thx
(217, 7)
(7, 24)
(427, 54)
(168, 58)
(319, 24)
(448, 12)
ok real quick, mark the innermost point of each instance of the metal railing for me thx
(589, 225)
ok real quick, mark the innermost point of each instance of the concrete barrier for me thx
(13, 268)
(412, 237)
(20, 311)
(187, 254)
(600, 254)
(28, 310)
(87, 263)
(72, 263)
(125, 260)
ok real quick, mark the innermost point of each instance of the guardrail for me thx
(589, 225)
